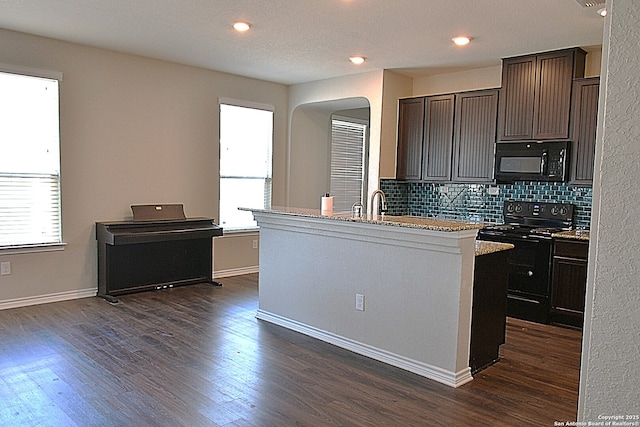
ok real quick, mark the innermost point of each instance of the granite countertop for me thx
(484, 247)
(572, 234)
(397, 221)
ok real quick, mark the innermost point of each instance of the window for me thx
(348, 160)
(246, 139)
(30, 213)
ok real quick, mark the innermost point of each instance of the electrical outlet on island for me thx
(5, 268)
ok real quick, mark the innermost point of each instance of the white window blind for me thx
(30, 213)
(246, 140)
(347, 163)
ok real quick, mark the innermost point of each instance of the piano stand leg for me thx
(109, 299)
(214, 283)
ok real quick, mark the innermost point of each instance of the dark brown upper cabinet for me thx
(535, 101)
(447, 137)
(585, 117)
(410, 139)
(475, 135)
(438, 138)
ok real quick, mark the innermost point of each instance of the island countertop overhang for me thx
(433, 224)
(406, 223)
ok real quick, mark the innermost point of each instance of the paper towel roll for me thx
(326, 206)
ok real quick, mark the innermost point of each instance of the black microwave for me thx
(532, 161)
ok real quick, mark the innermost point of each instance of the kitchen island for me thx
(396, 289)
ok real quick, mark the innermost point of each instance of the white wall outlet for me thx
(494, 191)
(255, 244)
(5, 268)
(444, 189)
(360, 302)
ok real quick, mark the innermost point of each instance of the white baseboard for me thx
(452, 379)
(44, 299)
(92, 292)
(235, 272)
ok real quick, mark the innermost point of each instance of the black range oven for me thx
(529, 226)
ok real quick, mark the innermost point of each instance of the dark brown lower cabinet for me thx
(569, 283)
(489, 313)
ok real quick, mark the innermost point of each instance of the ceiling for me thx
(296, 41)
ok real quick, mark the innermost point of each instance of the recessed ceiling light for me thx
(241, 26)
(461, 40)
(357, 60)
(602, 12)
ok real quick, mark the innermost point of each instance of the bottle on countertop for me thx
(326, 205)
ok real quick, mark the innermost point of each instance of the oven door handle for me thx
(530, 239)
(519, 298)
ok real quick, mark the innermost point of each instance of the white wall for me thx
(310, 106)
(611, 341)
(417, 285)
(479, 78)
(309, 156)
(396, 86)
(133, 130)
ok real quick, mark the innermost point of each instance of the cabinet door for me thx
(535, 102)
(410, 139)
(585, 117)
(438, 142)
(569, 282)
(517, 98)
(569, 287)
(554, 73)
(475, 135)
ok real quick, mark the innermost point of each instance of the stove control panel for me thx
(520, 210)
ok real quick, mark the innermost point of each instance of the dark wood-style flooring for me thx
(197, 356)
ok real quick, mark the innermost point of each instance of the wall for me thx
(311, 105)
(133, 130)
(395, 86)
(593, 61)
(310, 109)
(611, 344)
(236, 253)
(415, 283)
(479, 78)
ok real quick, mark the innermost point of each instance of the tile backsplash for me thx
(473, 202)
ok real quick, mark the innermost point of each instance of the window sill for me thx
(27, 249)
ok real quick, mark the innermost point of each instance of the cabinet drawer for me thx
(571, 248)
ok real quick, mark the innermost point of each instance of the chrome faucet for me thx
(382, 205)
